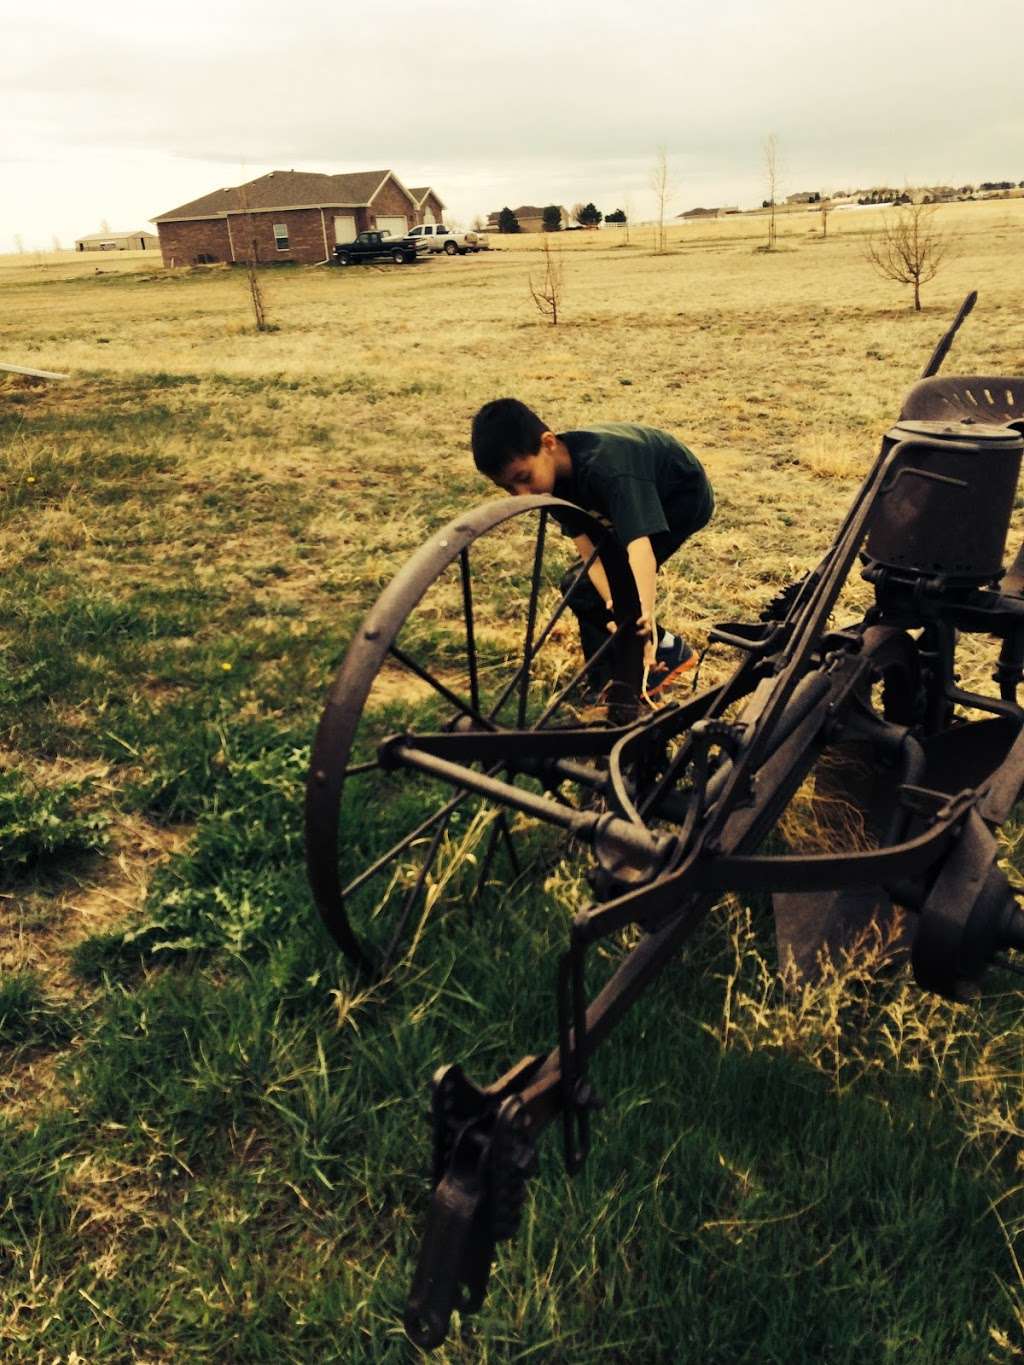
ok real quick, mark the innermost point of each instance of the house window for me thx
(281, 236)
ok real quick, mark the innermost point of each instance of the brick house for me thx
(529, 217)
(286, 216)
(429, 205)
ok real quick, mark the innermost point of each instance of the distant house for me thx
(286, 216)
(429, 205)
(529, 217)
(709, 213)
(118, 241)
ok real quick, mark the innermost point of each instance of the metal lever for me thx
(455, 1255)
(483, 1156)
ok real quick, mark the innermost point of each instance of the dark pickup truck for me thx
(377, 246)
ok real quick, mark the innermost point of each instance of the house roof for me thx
(287, 189)
(421, 193)
(525, 211)
(108, 236)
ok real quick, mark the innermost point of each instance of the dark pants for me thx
(592, 616)
(593, 619)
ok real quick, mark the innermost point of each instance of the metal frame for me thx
(686, 795)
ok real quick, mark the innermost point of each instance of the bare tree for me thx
(104, 225)
(908, 248)
(771, 176)
(56, 243)
(627, 209)
(19, 243)
(662, 186)
(259, 310)
(825, 208)
(547, 292)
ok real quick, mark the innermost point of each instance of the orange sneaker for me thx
(675, 657)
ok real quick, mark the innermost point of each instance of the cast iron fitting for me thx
(629, 853)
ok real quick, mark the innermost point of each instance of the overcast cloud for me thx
(118, 115)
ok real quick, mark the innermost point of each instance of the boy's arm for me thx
(645, 569)
(596, 574)
(640, 553)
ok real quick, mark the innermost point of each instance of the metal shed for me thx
(118, 241)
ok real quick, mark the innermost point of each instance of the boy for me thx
(649, 488)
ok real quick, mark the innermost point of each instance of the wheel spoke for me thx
(485, 866)
(414, 891)
(467, 610)
(442, 813)
(425, 676)
(403, 844)
(510, 847)
(559, 697)
(358, 768)
(513, 682)
(531, 618)
(499, 829)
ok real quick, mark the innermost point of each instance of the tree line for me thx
(583, 216)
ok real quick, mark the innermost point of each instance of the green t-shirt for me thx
(638, 480)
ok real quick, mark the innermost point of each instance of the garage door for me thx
(398, 227)
(344, 228)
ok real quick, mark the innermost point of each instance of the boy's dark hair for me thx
(503, 430)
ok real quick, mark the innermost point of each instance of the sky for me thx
(116, 114)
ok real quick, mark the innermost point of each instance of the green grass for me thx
(735, 1195)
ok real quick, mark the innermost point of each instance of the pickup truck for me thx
(441, 238)
(377, 245)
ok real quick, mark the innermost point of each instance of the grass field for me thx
(213, 1144)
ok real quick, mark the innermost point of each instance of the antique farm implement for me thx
(676, 803)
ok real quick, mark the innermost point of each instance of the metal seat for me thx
(998, 399)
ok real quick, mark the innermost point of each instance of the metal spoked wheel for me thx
(474, 633)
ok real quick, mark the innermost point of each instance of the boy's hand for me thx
(645, 627)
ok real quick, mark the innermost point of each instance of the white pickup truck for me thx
(440, 238)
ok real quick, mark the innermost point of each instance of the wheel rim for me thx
(432, 649)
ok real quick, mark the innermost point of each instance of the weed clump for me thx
(27, 1017)
(39, 825)
(242, 872)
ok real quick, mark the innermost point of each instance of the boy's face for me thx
(531, 473)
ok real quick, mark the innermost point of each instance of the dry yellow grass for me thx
(780, 370)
